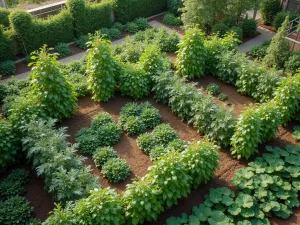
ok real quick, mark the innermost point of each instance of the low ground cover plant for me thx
(137, 118)
(136, 25)
(102, 155)
(260, 51)
(102, 132)
(81, 42)
(222, 96)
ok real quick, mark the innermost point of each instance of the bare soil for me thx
(268, 27)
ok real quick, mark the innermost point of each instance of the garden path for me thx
(243, 48)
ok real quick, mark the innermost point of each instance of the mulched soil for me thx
(268, 27)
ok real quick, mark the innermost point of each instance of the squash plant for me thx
(191, 56)
(101, 69)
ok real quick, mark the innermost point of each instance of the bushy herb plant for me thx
(116, 170)
(191, 56)
(81, 42)
(222, 96)
(131, 27)
(101, 69)
(51, 87)
(260, 51)
(213, 89)
(63, 49)
(172, 20)
(102, 155)
(79, 83)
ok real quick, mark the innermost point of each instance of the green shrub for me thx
(4, 20)
(280, 17)
(249, 27)
(142, 201)
(230, 21)
(134, 81)
(51, 87)
(129, 50)
(168, 42)
(162, 135)
(128, 10)
(9, 142)
(222, 97)
(101, 206)
(63, 49)
(198, 156)
(137, 118)
(190, 61)
(220, 29)
(15, 210)
(7, 67)
(101, 69)
(142, 23)
(102, 155)
(87, 18)
(169, 174)
(172, 20)
(174, 6)
(116, 170)
(213, 89)
(64, 174)
(238, 32)
(63, 215)
(296, 133)
(79, 83)
(81, 42)
(269, 9)
(3, 92)
(260, 51)
(102, 132)
(114, 33)
(75, 66)
(131, 27)
(34, 33)
(293, 63)
(7, 50)
(248, 125)
(118, 26)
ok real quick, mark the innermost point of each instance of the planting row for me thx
(268, 186)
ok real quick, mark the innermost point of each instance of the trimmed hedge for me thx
(7, 51)
(128, 10)
(4, 13)
(88, 18)
(33, 33)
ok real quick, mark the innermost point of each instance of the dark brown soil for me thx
(237, 101)
(159, 19)
(268, 27)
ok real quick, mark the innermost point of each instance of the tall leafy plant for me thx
(51, 87)
(101, 69)
(191, 56)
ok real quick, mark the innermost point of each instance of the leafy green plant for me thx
(296, 133)
(249, 27)
(63, 49)
(174, 6)
(102, 132)
(168, 173)
(116, 170)
(213, 89)
(51, 86)
(131, 27)
(230, 21)
(222, 96)
(118, 26)
(102, 155)
(293, 63)
(142, 201)
(101, 69)
(105, 33)
(142, 23)
(137, 118)
(15, 210)
(9, 143)
(129, 50)
(160, 150)
(172, 20)
(81, 42)
(102, 206)
(260, 51)
(3, 92)
(191, 56)
(61, 214)
(238, 32)
(168, 42)
(220, 29)
(280, 17)
(114, 33)
(246, 137)
(134, 81)
(269, 9)
(79, 83)
(7, 67)
(162, 135)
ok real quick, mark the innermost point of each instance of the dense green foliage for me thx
(4, 14)
(63, 49)
(269, 9)
(51, 86)
(79, 83)
(116, 170)
(172, 20)
(15, 210)
(222, 96)
(81, 41)
(87, 18)
(102, 132)
(278, 51)
(101, 69)
(162, 135)
(191, 56)
(7, 68)
(293, 63)
(56, 161)
(137, 118)
(280, 17)
(249, 27)
(7, 51)
(34, 33)
(260, 51)
(213, 89)
(174, 6)
(220, 29)
(128, 10)
(102, 155)
(9, 143)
